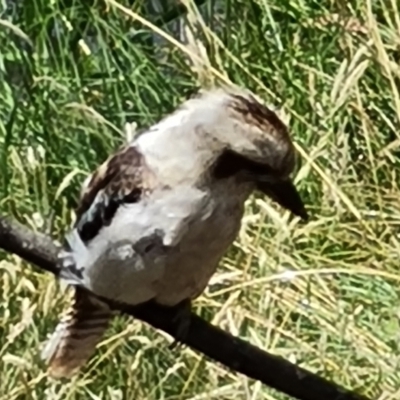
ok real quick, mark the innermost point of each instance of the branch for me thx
(213, 342)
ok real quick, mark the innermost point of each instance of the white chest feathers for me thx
(165, 247)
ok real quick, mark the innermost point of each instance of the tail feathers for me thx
(76, 336)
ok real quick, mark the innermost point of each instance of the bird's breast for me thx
(194, 258)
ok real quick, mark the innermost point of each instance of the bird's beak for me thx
(286, 195)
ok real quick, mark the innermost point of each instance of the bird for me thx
(154, 220)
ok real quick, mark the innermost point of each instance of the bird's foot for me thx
(181, 317)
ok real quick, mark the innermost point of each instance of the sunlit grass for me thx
(324, 295)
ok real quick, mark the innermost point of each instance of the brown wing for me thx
(123, 178)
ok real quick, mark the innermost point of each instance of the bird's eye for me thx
(148, 248)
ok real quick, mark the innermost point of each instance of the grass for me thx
(324, 295)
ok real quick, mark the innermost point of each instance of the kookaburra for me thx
(155, 219)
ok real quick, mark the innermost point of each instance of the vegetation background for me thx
(324, 295)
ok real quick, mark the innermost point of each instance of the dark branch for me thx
(232, 352)
(31, 246)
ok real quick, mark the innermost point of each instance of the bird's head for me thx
(253, 142)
